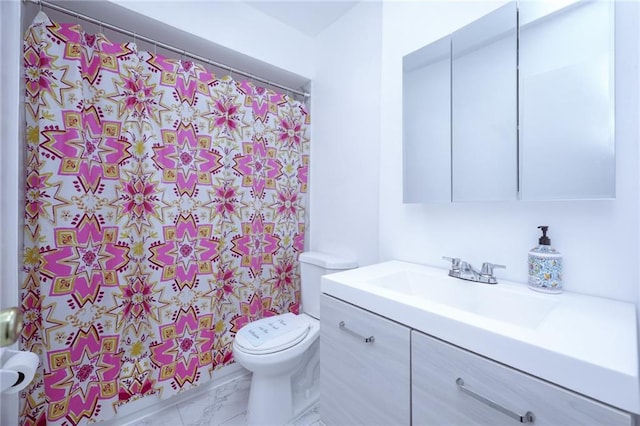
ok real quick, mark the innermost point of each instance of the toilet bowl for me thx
(273, 364)
(282, 351)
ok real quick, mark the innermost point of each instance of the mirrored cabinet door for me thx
(567, 101)
(484, 108)
(427, 124)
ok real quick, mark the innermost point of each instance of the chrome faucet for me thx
(465, 271)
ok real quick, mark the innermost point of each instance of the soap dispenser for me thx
(545, 266)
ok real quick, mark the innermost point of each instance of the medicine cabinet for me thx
(516, 105)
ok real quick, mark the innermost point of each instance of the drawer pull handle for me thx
(528, 417)
(343, 327)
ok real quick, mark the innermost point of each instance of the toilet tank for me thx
(313, 265)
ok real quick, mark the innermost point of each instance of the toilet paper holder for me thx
(17, 369)
(10, 326)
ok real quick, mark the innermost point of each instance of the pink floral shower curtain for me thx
(164, 210)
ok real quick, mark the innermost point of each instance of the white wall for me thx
(10, 155)
(345, 117)
(236, 26)
(10, 181)
(599, 239)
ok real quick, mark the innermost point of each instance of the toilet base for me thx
(270, 400)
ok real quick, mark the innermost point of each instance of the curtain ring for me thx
(155, 47)
(40, 4)
(134, 38)
(101, 29)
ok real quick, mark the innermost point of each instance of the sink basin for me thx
(516, 306)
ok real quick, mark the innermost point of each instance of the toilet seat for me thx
(272, 334)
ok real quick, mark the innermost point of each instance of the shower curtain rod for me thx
(137, 36)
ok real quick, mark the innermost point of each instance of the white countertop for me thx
(586, 344)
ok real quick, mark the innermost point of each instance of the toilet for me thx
(282, 351)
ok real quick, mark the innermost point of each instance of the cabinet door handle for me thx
(344, 328)
(528, 417)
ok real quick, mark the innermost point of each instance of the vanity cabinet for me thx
(364, 367)
(374, 371)
(453, 386)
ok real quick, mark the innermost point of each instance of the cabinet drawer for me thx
(362, 383)
(438, 400)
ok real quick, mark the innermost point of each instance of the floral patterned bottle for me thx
(545, 266)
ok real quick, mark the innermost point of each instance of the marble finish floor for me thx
(224, 405)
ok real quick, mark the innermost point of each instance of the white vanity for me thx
(406, 344)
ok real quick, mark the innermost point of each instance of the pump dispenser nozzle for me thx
(544, 240)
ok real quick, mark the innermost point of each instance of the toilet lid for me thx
(272, 334)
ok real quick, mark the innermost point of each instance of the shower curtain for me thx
(164, 209)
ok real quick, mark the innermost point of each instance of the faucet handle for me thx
(455, 262)
(487, 268)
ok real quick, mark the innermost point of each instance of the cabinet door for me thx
(426, 123)
(362, 383)
(445, 376)
(484, 105)
(567, 117)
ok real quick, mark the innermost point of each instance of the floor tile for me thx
(310, 418)
(239, 420)
(217, 406)
(167, 417)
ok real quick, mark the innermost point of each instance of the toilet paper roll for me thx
(25, 365)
